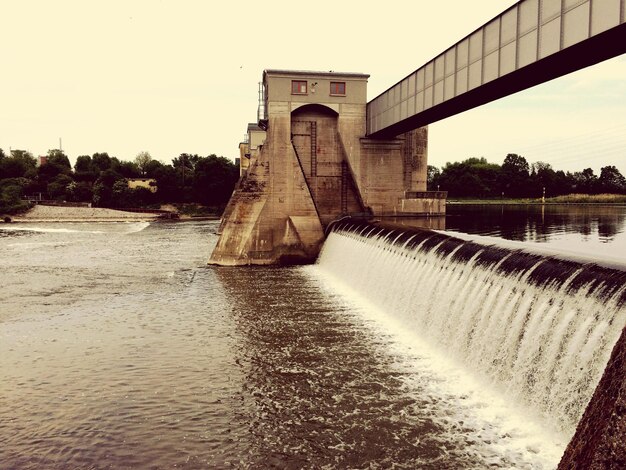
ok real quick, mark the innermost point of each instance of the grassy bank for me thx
(566, 199)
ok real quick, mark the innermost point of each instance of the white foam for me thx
(23, 228)
(544, 347)
(490, 420)
(87, 227)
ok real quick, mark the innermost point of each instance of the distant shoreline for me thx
(569, 199)
(39, 214)
(513, 202)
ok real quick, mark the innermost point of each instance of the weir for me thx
(541, 329)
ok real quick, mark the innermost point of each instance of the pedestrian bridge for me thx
(532, 42)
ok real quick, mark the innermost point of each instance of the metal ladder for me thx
(313, 149)
(344, 187)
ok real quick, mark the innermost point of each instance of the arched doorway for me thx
(316, 140)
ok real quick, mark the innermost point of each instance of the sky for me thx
(174, 76)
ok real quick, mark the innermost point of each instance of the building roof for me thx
(309, 73)
(253, 126)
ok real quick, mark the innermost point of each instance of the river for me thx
(120, 348)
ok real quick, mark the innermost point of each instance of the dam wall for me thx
(545, 330)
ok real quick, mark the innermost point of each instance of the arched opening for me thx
(314, 108)
(316, 141)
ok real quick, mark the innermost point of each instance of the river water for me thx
(120, 348)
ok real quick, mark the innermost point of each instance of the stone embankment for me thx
(41, 213)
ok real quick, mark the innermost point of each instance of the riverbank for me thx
(41, 213)
(583, 199)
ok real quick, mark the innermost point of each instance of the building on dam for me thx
(316, 164)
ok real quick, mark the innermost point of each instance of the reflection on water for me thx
(583, 228)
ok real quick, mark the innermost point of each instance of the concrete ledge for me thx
(600, 438)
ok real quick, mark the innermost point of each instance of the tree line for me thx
(516, 178)
(102, 180)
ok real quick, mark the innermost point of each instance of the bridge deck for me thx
(530, 43)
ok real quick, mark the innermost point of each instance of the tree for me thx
(432, 178)
(83, 164)
(57, 188)
(142, 160)
(11, 191)
(185, 165)
(58, 158)
(25, 156)
(79, 191)
(474, 177)
(514, 176)
(214, 179)
(167, 183)
(101, 161)
(20, 164)
(103, 188)
(515, 163)
(611, 180)
(85, 170)
(120, 194)
(128, 169)
(152, 167)
(585, 181)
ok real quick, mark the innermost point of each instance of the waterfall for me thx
(538, 328)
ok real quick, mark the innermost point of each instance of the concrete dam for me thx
(544, 329)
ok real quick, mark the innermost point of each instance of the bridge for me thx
(532, 42)
(326, 152)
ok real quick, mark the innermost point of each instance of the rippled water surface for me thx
(120, 348)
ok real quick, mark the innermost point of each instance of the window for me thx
(298, 87)
(337, 88)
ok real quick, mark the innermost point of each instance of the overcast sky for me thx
(123, 76)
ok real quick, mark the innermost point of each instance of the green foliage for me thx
(213, 180)
(85, 170)
(78, 191)
(515, 178)
(142, 160)
(57, 187)
(20, 164)
(103, 180)
(11, 192)
(101, 161)
(474, 177)
(128, 170)
(432, 178)
(58, 158)
(611, 180)
(152, 167)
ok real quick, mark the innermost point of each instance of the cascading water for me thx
(539, 328)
